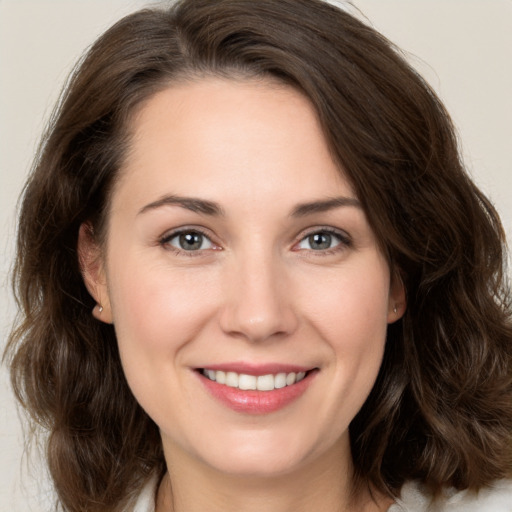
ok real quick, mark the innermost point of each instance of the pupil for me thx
(191, 241)
(320, 241)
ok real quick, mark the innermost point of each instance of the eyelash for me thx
(343, 239)
(165, 240)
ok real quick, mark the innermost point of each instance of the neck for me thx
(326, 485)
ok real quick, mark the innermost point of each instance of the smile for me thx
(271, 389)
(252, 382)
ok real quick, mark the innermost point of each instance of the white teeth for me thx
(290, 379)
(246, 381)
(265, 383)
(251, 382)
(280, 380)
(232, 379)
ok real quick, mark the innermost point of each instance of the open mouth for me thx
(244, 381)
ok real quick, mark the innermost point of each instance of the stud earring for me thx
(395, 309)
(100, 308)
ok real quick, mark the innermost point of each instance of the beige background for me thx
(463, 48)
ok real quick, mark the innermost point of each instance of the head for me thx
(393, 144)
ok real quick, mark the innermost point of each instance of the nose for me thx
(258, 303)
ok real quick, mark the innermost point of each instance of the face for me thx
(247, 290)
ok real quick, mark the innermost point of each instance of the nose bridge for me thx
(257, 306)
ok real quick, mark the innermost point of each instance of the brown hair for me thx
(441, 409)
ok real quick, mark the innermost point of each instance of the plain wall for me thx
(462, 47)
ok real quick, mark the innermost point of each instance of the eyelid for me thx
(164, 240)
(342, 236)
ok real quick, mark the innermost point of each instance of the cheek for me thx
(156, 313)
(350, 308)
(351, 318)
(153, 298)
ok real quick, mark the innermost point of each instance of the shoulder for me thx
(495, 498)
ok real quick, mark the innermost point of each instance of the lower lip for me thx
(257, 402)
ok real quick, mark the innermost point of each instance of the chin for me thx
(257, 465)
(261, 454)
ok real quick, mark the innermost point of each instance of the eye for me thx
(322, 240)
(189, 241)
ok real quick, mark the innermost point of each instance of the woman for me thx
(255, 276)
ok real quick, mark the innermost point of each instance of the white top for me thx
(497, 498)
(146, 500)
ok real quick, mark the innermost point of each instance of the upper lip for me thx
(257, 369)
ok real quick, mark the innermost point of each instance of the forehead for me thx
(229, 137)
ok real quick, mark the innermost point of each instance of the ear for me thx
(92, 266)
(397, 303)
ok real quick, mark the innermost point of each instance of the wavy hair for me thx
(441, 409)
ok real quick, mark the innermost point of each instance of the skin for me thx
(257, 291)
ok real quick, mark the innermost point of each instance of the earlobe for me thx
(91, 264)
(397, 298)
(102, 314)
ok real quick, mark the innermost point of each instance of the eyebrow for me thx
(190, 203)
(304, 209)
(206, 207)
